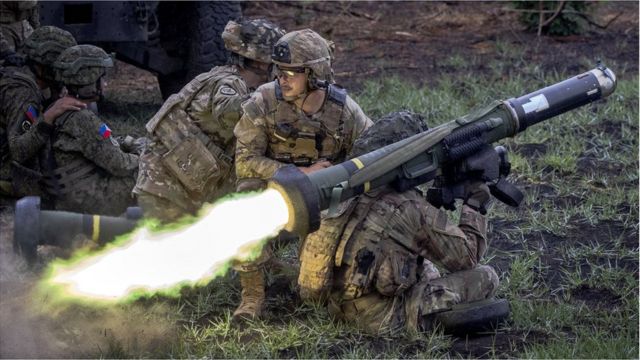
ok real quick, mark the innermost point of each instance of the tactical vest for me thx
(371, 256)
(189, 154)
(302, 140)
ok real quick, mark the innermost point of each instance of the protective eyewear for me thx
(289, 72)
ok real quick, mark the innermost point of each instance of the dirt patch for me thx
(595, 298)
(501, 345)
(415, 39)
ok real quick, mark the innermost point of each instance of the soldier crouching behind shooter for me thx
(86, 171)
(368, 260)
(190, 158)
(301, 119)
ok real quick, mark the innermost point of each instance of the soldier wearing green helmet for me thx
(25, 125)
(373, 261)
(85, 169)
(198, 122)
(303, 119)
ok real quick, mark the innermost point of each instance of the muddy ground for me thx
(412, 40)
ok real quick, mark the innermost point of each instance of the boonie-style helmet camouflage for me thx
(80, 68)
(387, 130)
(252, 39)
(306, 48)
(44, 46)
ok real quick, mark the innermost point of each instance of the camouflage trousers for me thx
(378, 314)
(104, 196)
(160, 208)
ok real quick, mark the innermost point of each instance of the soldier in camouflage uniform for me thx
(18, 19)
(86, 171)
(25, 126)
(190, 158)
(368, 259)
(303, 119)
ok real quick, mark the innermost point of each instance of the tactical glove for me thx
(477, 195)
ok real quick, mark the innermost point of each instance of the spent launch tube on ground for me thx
(34, 227)
(418, 159)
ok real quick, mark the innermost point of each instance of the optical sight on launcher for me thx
(450, 153)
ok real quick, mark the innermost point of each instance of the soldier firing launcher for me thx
(451, 152)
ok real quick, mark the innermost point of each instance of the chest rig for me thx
(302, 140)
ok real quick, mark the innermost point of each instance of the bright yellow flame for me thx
(151, 262)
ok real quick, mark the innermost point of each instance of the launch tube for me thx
(419, 158)
(35, 227)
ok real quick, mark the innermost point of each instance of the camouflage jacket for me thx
(17, 21)
(203, 114)
(273, 132)
(23, 132)
(371, 252)
(92, 174)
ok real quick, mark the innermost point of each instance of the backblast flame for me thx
(150, 262)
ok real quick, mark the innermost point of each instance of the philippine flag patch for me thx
(31, 114)
(104, 131)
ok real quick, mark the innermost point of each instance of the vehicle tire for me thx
(206, 48)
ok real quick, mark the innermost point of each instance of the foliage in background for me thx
(566, 23)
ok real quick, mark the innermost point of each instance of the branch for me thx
(555, 14)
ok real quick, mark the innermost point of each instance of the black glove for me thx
(14, 59)
(477, 195)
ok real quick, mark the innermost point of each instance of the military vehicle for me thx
(176, 40)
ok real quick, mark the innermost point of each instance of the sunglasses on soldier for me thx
(289, 72)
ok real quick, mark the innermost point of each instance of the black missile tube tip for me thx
(564, 96)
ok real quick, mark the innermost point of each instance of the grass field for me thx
(567, 257)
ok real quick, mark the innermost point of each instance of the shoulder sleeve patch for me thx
(104, 131)
(227, 90)
(31, 114)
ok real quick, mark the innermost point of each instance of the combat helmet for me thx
(305, 48)
(44, 46)
(252, 39)
(80, 68)
(387, 130)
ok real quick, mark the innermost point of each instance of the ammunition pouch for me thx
(295, 147)
(193, 158)
(66, 179)
(397, 273)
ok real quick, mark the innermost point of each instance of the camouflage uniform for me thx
(368, 258)
(23, 132)
(93, 175)
(86, 170)
(18, 19)
(190, 158)
(273, 132)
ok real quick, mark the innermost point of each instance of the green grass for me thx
(571, 271)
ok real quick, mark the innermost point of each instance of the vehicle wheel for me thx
(206, 48)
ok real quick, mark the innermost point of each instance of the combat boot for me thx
(252, 302)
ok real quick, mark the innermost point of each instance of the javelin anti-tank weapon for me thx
(461, 146)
